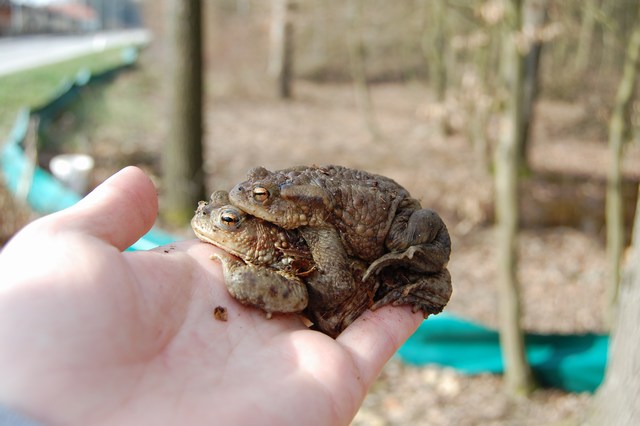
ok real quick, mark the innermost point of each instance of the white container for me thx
(73, 170)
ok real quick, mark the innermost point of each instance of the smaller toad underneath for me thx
(264, 263)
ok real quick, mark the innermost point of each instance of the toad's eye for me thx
(229, 218)
(260, 194)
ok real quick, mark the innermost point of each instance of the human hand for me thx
(90, 334)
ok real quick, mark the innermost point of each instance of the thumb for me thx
(119, 211)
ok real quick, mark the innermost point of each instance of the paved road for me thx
(21, 53)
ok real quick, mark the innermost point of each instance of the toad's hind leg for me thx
(417, 239)
(267, 289)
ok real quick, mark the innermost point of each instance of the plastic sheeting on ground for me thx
(44, 193)
(572, 362)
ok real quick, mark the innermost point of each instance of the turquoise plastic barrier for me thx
(572, 362)
(44, 193)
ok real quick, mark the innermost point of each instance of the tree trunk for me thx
(281, 43)
(319, 44)
(535, 17)
(585, 39)
(518, 376)
(610, 51)
(617, 400)
(357, 59)
(154, 19)
(434, 48)
(182, 157)
(483, 101)
(617, 134)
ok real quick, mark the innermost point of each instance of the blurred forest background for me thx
(518, 121)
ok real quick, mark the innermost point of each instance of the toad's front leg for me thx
(334, 281)
(268, 289)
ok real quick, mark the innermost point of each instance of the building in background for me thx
(19, 17)
(117, 14)
(71, 17)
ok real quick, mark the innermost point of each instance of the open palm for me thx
(90, 334)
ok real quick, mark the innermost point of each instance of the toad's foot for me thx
(426, 293)
(427, 258)
(267, 289)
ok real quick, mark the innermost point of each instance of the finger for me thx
(376, 335)
(119, 211)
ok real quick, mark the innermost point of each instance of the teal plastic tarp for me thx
(44, 194)
(47, 195)
(572, 362)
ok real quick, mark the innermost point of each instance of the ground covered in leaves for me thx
(562, 263)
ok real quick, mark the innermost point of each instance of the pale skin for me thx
(90, 334)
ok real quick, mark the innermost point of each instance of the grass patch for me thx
(115, 120)
(32, 88)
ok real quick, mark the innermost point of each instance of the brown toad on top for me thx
(269, 267)
(344, 213)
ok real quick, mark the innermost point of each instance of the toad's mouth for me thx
(220, 244)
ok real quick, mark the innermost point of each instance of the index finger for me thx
(376, 335)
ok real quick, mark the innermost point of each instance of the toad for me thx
(271, 268)
(262, 263)
(343, 214)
